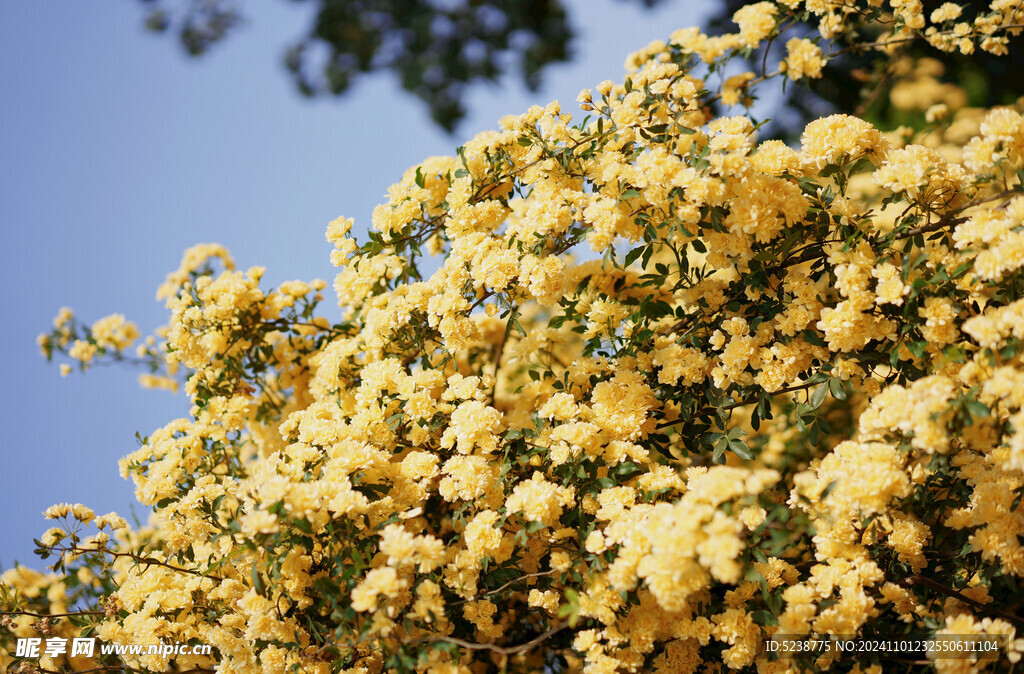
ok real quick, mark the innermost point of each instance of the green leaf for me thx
(257, 579)
(740, 449)
(632, 255)
(818, 397)
(533, 526)
(837, 389)
(817, 377)
(718, 456)
(978, 409)
(917, 348)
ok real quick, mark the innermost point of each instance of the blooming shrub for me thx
(632, 394)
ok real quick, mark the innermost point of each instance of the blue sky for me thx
(117, 152)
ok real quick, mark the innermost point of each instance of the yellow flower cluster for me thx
(661, 391)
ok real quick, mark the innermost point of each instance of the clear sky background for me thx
(117, 152)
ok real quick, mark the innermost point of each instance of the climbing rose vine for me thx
(629, 393)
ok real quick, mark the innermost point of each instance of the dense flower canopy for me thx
(627, 394)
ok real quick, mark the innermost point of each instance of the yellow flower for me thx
(803, 60)
(756, 22)
(378, 581)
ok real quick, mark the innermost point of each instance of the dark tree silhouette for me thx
(437, 48)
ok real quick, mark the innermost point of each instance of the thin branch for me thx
(108, 668)
(510, 583)
(140, 559)
(51, 615)
(941, 223)
(750, 401)
(950, 592)
(876, 91)
(115, 668)
(911, 38)
(497, 364)
(951, 219)
(505, 650)
(947, 220)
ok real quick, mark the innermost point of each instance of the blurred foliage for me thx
(435, 47)
(861, 83)
(439, 47)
